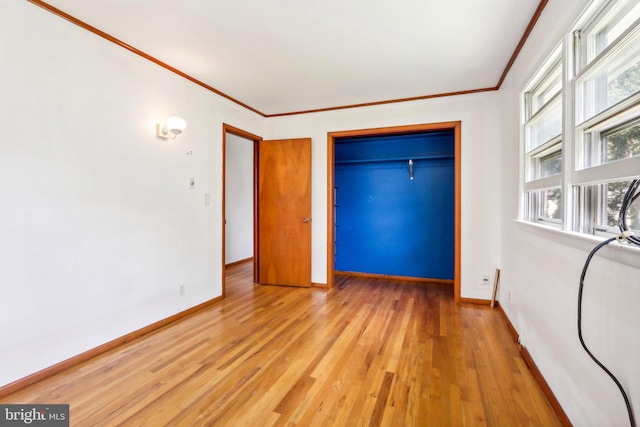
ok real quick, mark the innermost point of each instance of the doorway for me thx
(238, 198)
(278, 214)
(354, 167)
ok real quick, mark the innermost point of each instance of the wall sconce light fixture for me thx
(173, 127)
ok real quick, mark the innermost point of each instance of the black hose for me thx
(631, 196)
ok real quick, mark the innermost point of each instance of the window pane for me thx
(551, 165)
(546, 163)
(613, 144)
(611, 83)
(544, 205)
(551, 204)
(622, 143)
(614, 193)
(547, 90)
(611, 27)
(545, 127)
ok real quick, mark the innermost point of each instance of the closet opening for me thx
(395, 203)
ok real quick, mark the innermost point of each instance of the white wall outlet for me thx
(182, 290)
(485, 280)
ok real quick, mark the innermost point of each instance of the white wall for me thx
(98, 225)
(541, 271)
(239, 198)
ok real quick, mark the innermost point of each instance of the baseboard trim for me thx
(512, 329)
(242, 261)
(537, 375)
(476, 301)
(555, 405)
(101, 349)
(390, 277)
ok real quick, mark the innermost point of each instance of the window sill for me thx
(619, 252)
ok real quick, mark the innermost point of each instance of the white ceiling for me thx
(283, 56)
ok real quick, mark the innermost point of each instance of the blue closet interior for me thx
(394, 205)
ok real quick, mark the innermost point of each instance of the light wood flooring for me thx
(368, 352)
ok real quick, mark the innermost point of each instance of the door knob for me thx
(305, 220)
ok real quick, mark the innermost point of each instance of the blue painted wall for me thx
(387, 223)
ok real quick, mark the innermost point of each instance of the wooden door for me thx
(284, 212)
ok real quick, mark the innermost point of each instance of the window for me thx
(543, 143)
(607, 143)
(607, 116)
(582, 165)
(601, 32)
(611, 78)
(601, 204)
(544, 205)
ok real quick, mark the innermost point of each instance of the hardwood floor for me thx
(368, 352)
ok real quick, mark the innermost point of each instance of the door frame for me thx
(395, 130)
(226, 128)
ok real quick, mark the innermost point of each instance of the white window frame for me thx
(534, 184)
(581, 184)
(588, 178)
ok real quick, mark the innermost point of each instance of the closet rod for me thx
(397, 159)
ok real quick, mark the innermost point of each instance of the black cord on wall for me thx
(633, 192)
